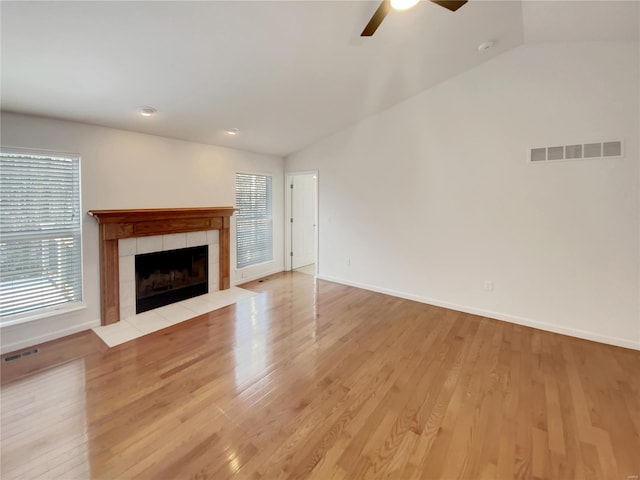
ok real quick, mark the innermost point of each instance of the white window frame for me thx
(237, 221)
(64, 307)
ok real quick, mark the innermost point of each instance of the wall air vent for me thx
(575, 152)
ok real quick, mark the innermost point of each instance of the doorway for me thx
(301, 236)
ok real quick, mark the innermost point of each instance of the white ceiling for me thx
(285, 73)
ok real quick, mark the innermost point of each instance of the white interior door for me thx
(304, 222)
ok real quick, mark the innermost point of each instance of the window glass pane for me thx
(40, 232)
(254, 221)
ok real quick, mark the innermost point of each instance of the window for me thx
(254, 220)
(40, 232)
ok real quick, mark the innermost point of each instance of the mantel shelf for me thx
(119, 224)
(149, 214)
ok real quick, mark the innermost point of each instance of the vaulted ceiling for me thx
(286, 74)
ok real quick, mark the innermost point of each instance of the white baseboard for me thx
(549, 327)
(31, 340)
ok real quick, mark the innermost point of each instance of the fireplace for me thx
(134, 226)
(170, 276)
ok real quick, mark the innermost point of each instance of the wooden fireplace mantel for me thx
(117, 224)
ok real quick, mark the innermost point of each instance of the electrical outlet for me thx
(488, 285)
(348, 262)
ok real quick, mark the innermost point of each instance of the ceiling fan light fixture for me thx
(232, 131)
(403, 4)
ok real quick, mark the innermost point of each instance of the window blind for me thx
(40, 232)
(254, 219)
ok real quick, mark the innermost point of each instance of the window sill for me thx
(39, 315)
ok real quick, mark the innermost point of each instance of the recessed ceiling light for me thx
(232, 131)
(485, 46)
(403, 4)
(146, 111)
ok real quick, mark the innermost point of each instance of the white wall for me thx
(129, 170)
(433, 197)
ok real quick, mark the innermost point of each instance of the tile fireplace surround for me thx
(116, 225)
(128, 248)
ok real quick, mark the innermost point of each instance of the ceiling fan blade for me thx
(377, 18)
(452, 5)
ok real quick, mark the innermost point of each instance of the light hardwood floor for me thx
(311, 379)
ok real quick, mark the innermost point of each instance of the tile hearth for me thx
(136, 326)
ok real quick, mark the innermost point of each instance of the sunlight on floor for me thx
(56, 398)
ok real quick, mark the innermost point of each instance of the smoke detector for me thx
(146, 111)
(485, 46)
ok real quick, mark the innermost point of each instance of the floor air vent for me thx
(576, 152)
(16, 356)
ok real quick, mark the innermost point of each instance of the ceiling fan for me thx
(387, 5)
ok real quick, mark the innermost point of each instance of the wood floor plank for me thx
(314, 380)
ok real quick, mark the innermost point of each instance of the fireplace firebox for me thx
(171, 276)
